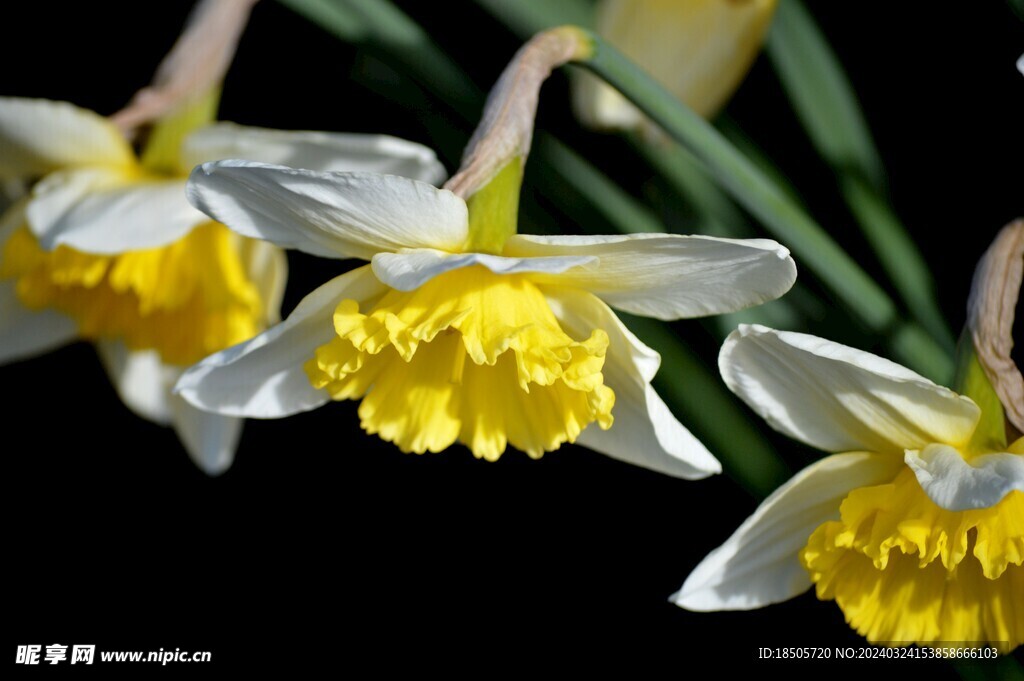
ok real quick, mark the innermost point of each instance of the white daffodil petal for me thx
(142, 380)
(411, 268)
(320, 151)
(759, 564)
(264, 377)
(100, 212)
(26, 333)
(209, 439)
(38, 136)
(57, 194)
(959, 485)
(667, 276)
(837, 398)
(673, 450)
(335, 215)
(645, 433)
(267, 268)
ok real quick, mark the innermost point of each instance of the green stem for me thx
(763, 198)
(688, 178)
(898, 254)
(813, 80)
(616, 206)
(826, 104)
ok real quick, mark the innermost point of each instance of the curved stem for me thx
(785, 220)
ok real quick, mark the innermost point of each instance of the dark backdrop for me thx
(323, 546)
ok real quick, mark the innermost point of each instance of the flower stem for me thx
(825, 103)
(784, 219)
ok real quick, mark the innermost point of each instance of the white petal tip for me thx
(703, 468)
(688, 602)
(705, 599)
(681, 599)
(717, 597)
(213, 471)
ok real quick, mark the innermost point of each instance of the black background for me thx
(323, 547)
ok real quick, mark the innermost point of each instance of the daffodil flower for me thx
(700, 50)
(106, 247)
(459, 329)
(447, 343)
(914, 526)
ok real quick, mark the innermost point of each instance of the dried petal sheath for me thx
(196, 63)
(990, 317)
(506, 129)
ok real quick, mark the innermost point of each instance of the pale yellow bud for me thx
(699, 49)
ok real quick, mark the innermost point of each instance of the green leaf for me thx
(526, 17)
(757, 156)
(814, 81)
(337, 17)
(718, 216)
(616, 206)
(689, 180)
(737, 175)
(826, 104)
(1018, 7)
(898, 254)
(787, 221)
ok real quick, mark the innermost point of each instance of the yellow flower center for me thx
(904, 570)
(185, 300)
(470, 356)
